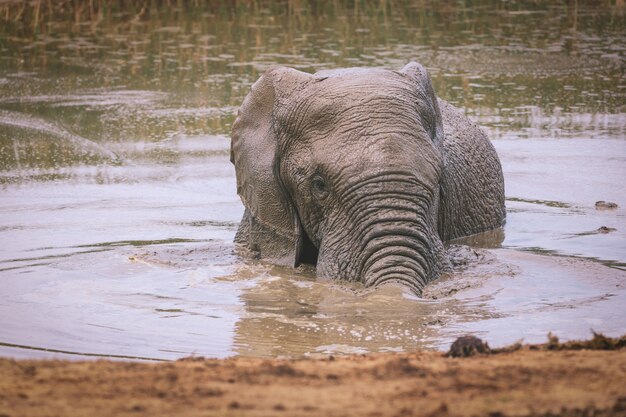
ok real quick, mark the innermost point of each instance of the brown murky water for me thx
(118, 203)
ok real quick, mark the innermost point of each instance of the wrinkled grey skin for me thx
(361, 172)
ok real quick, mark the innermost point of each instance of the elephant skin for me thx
(363, 173)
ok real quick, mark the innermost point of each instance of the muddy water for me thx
(118, 204)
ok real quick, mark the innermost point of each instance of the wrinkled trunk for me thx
(400, 250)
(394, 257)
(390, 236)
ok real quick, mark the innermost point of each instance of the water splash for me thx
(81, 145)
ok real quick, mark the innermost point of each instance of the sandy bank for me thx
(546, 380)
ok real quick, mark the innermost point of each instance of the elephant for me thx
(361, 172)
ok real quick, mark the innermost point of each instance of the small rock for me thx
(466, 346)
(605, 205)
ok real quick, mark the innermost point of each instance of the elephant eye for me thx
(319, 187)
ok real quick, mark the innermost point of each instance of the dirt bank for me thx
(547, 380)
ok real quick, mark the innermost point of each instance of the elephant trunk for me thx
(400, 252)
(392, 235)
(398, 239)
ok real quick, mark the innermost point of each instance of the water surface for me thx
(118, 204)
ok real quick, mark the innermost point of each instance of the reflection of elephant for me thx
(361, 172)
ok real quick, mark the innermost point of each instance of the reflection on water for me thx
(118, 204)
(522, 68)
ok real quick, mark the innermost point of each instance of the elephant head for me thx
(342, 169)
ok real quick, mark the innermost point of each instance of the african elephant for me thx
(363, 173)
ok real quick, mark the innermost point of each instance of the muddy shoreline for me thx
(553, 379)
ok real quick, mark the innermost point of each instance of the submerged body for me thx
(361, 172)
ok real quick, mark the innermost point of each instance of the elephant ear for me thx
(429, 107)
(270, 226)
